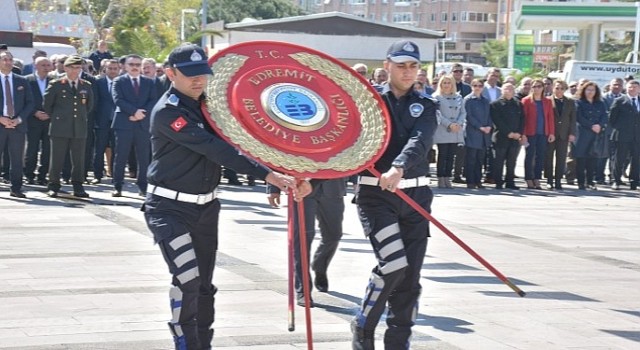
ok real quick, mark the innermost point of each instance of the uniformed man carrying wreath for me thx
(68, 101)
(398, 234)
(181, 208)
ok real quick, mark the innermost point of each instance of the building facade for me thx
(468, 23)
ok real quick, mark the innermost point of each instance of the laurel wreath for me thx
(365, 148)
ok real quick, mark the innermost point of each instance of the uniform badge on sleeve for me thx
(173, 100)
(178, 124)
(416, 109)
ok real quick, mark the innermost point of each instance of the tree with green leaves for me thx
(614, 50)
(496, 52)
(231, 11)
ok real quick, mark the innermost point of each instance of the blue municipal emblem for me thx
(295, 106)
(416, 109)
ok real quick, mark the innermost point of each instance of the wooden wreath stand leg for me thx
(302, 236)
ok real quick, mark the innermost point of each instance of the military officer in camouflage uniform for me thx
(68, 101)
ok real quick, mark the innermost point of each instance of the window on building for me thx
(402, 17)
(467, 46)
(454, 17)
(358, 2)
(463, 16)
(433, 17)
(402, 2)
(443, 17)
(384, 17)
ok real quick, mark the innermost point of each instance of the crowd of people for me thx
(67, 114)
(578, 131)
(71, 114)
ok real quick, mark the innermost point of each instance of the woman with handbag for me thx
(592, 119)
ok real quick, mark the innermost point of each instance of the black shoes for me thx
(142, 193)
(458, 180)
(116, 193)
(512, 186)
(17, 194)
(78, 191)
(300, 300)
(30, 182)
(321, 282)
(362, 340)
(615, 186)
(52, 193)
(80, 194)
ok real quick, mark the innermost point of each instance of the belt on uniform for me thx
(404, 183)
(199, 199)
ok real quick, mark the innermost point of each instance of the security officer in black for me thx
(398, 233)
(181, 208)
(68, 101)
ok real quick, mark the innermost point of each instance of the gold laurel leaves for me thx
(367, 145)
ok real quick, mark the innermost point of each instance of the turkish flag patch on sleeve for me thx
(178, 124)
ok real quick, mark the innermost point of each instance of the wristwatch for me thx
(397, 164)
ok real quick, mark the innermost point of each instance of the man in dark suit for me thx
(326, 203)
(105, 109)
(17, 105)
(38, 134)
(508, 120)
(134, 96)
(90, 143)
(564, 110)
(624, 118)
(68, 101)
(615, 90)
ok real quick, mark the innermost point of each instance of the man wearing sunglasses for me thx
(134, 96)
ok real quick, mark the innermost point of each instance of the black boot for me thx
(362, 340)
(78, 190)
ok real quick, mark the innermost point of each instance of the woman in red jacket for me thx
(539, 129)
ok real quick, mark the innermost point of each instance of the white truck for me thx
(26, 53)
(598, 72)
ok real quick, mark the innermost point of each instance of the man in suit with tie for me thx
(38, 126)
(105, 109)
(615, 90)
(68, 101)
(134, 96)
(624, 118)
(564, 111)
(17, 105)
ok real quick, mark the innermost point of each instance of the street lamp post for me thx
(182, 22)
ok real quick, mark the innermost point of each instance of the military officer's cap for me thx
(190, 60)
(73, 60)
(403, 51)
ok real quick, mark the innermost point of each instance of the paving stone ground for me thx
(86, 275)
